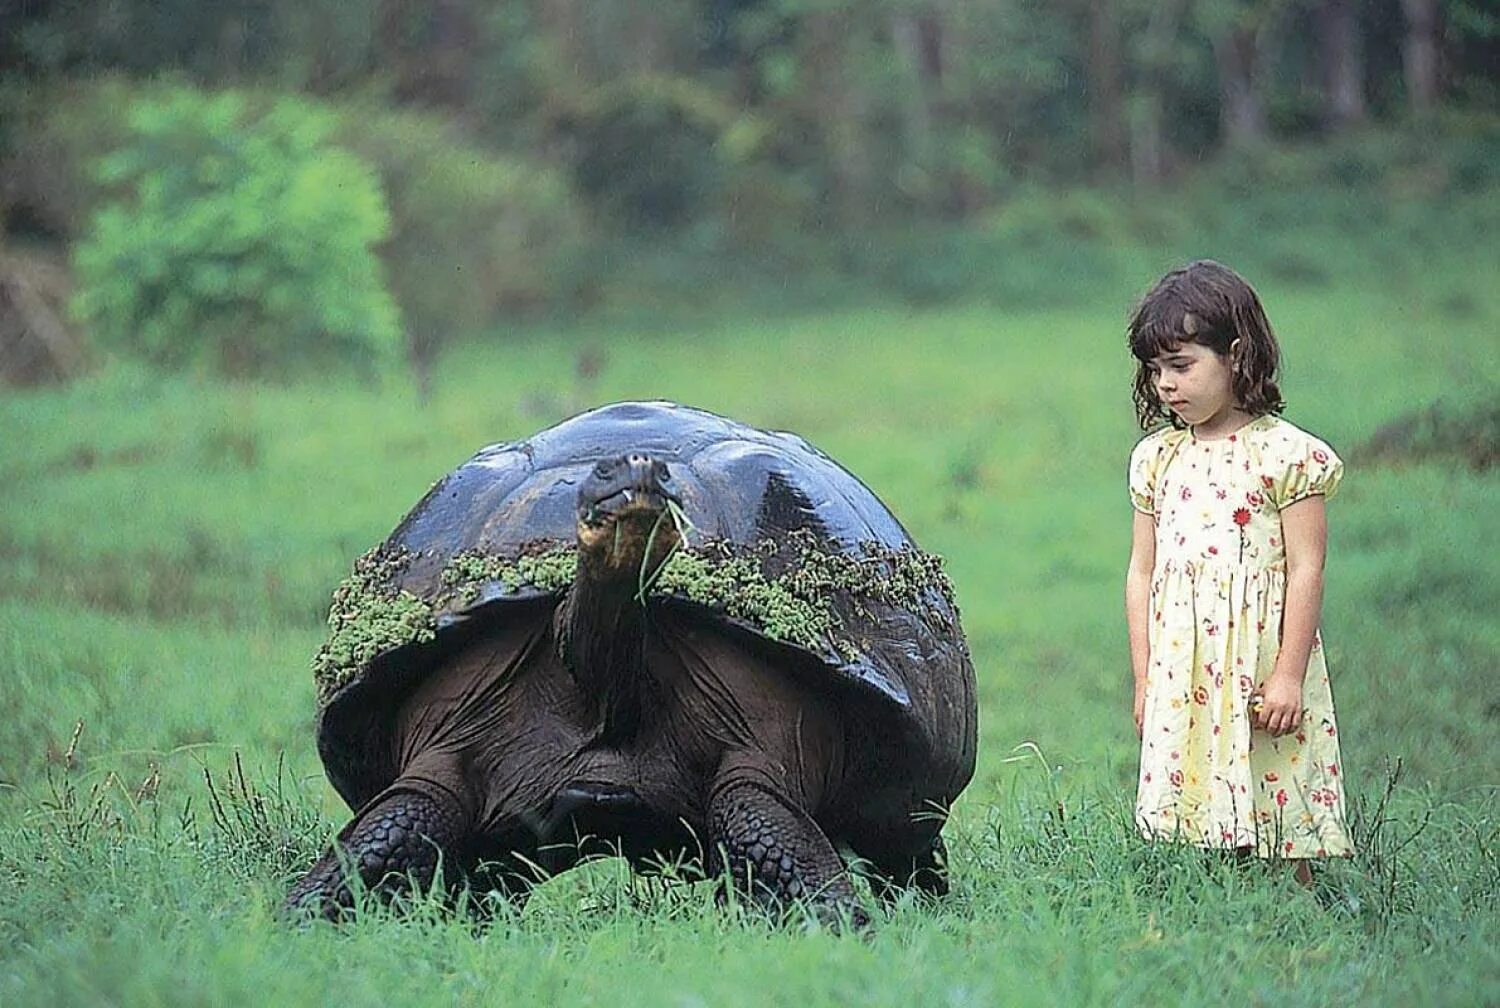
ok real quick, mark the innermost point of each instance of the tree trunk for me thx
(562, 22)
(1343, 63)
(1242, 112)
(841, 109)
(916, 110)
(649, 47)
(1106, 88)
(428, 50)
(1420, 54)
(1145, 108)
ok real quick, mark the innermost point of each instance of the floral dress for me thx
(1217, 592)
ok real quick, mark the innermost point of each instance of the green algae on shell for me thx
(785, 589)
(368, 616)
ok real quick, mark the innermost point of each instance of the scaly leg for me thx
(395, 841)
(773, 849)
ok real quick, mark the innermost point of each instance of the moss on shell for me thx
(368, 616)
(737, 587)
(785, 588)
(548, 570)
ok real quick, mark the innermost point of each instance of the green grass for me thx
(167, 547)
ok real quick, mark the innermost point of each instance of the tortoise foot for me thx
(395, 844)
(776, 855)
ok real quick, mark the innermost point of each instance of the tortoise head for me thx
(622, 509)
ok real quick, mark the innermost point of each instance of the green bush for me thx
(474, 234)
(238, 241)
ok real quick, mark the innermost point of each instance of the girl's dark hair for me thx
(1207, 303)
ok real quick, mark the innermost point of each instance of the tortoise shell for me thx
(783, 545)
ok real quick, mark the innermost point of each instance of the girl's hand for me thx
(1140, 709)
(1281, 711)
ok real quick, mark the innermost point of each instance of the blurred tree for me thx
(238, 242)
(1107, 119)
(1420, 54)
(1341, 51)
(763, 120)
(1155, 56)
(427, 47)
(473, 234)
(1245, 36)
(1474, 52)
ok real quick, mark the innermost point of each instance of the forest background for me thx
(270, 268)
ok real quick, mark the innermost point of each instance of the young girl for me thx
(1239, 748)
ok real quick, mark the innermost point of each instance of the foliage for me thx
(57, 135)
(751, 117)
(179, 629)
(475, 235)
(1470, 437)
(237, 241)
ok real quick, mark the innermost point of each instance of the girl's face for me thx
(1195, 383)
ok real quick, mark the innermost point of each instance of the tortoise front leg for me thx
(394, 842)
(773, 850)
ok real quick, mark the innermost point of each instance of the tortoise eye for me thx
(602, 470)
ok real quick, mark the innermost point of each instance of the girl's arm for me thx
(1304, 529)
(1138, 604)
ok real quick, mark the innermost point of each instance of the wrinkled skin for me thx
(589, 728)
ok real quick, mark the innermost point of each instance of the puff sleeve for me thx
(1308, 468)
(1144, 460)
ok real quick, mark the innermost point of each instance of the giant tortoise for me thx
(648, 631)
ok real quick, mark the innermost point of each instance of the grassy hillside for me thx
(167, 548)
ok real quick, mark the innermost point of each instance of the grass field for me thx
(167, 547)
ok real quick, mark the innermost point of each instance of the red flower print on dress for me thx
(1272, 777)
(1242, 518)
(1176, 778)
(1254, 498)
(1200, 696)
(1267, 482)
(1320, 456)
(1281, 797)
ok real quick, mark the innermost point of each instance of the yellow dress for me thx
(1217, 591)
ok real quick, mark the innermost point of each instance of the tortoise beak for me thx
(636, 484)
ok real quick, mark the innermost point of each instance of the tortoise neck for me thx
(603, 630)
